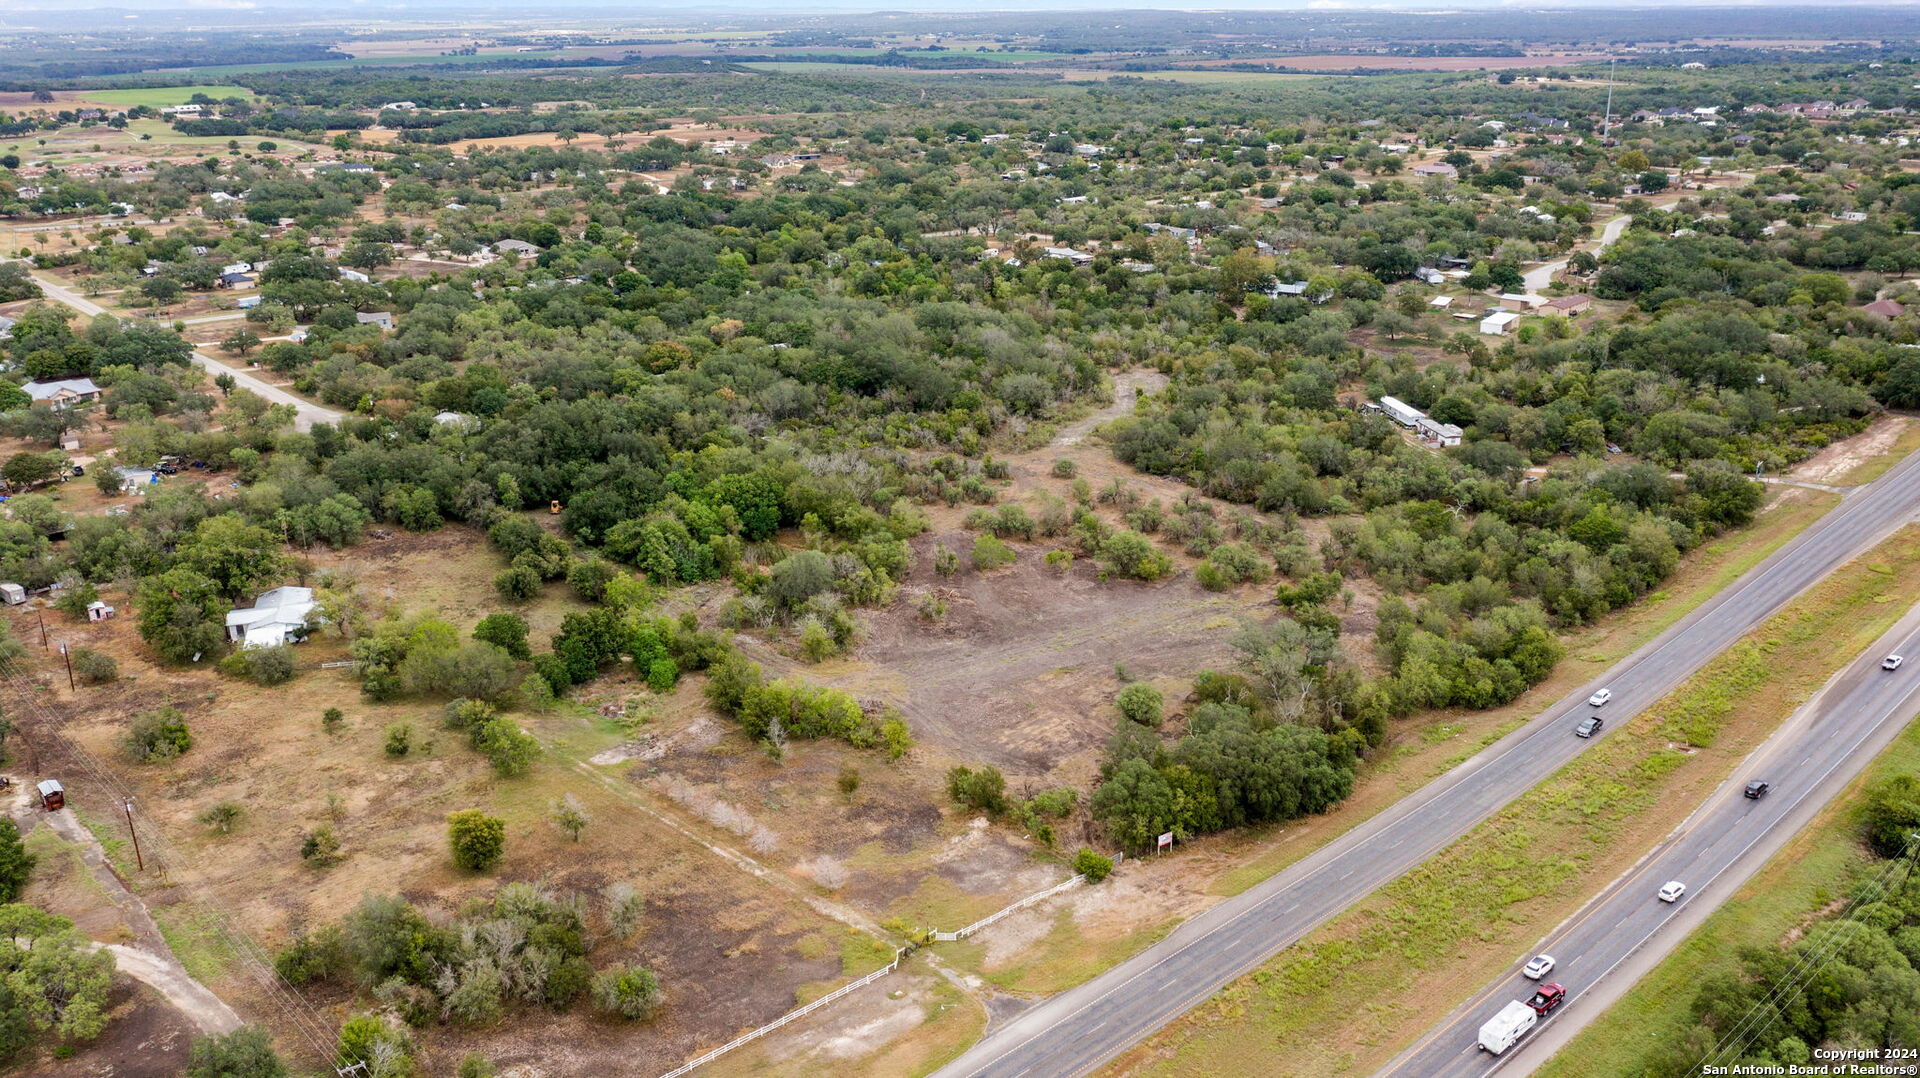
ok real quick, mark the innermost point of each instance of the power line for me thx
(1812, 960)
(210, 914)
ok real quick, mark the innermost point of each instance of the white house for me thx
(1526, 301)
(1497, 323)
(278, 617)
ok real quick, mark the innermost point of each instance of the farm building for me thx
(1497, 323)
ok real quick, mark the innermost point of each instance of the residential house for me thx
(1568, 305)
(64, 392)
(383, 319)
(1885, 308)
(516, 247)
(1526, 301)
(1436, 168)
(280, 616)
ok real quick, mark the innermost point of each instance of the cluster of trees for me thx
(1236, 764)
(44, 345)
(771, 712)
(527, 946)
(53, 984)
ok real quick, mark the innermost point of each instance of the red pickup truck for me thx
(1547, 998)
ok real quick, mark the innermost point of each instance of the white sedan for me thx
(1892, 662)
(1672, 891)
(1541, 965)
(1600, 698)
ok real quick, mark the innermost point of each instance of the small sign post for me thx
(1165, 843)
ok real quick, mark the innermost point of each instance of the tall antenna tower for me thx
(1606, 125)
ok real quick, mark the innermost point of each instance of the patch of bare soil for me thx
(144, 1038)
(1837, 459)
(1021, 671)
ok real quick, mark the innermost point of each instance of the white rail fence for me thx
(1037, 896)
(790, 1016)
(795, 1015)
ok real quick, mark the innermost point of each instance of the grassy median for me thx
(1362, 987)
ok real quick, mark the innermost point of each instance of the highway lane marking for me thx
(1806, 792)
(1614, 893)
(1782, 559)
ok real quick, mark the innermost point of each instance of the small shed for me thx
(12, 594)
(98, 611)
(1497, 323)
(52, 794)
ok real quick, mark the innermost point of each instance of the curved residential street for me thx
(306, 413)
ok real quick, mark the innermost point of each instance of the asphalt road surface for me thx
(1077, 1030)
(305, 412)
(1809, 760)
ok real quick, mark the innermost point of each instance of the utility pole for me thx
(68, 652)
(41, 613)
(127, 805)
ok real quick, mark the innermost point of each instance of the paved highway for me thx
(306, 413)
(1077, 1030)
(1809, 760)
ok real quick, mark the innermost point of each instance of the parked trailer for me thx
(1503, 1029)
(1401, 412)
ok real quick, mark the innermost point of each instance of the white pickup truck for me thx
(1503, 1029)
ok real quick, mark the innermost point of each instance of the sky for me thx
(602, 9)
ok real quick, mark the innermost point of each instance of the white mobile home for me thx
(1401, 412)
(1440, 434)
